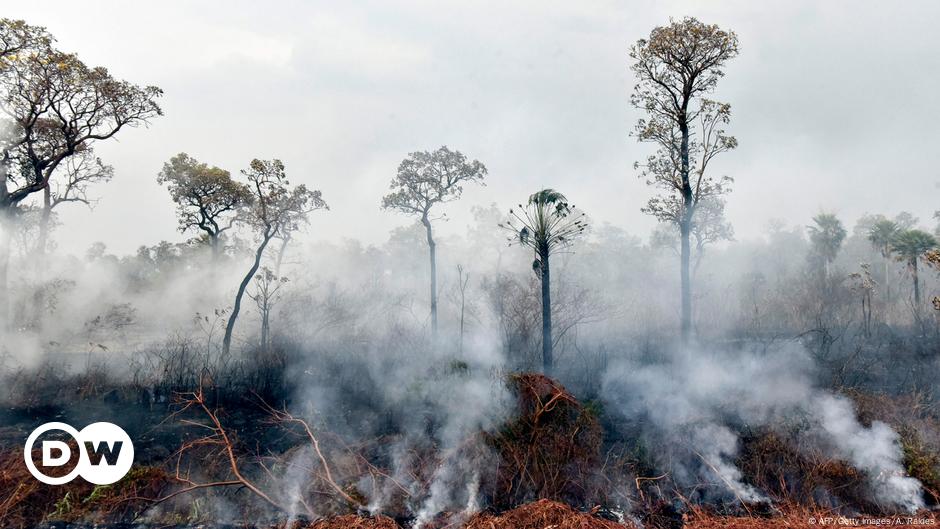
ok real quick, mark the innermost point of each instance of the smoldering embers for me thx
(692, 403)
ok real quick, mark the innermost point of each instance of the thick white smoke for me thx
(693, 399)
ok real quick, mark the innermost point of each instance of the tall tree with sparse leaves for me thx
(424, 180)
(547, 223)
(676, 67)
(276, 208)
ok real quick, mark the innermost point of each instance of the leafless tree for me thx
(863, 285)
(266, 295)
(459, 297)
(70, 184)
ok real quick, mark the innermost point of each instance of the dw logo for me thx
(105, 453)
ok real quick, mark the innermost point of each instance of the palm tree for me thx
(826, 236)
(881, 235)
(547, 223)
(911, 245)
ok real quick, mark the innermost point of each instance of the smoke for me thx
(694, 401)
(360, 362)
(427, 401)
(471, 400)
(876, 450)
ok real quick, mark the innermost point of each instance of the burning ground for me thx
(488, 448)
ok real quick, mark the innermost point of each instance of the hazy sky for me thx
(834, 103)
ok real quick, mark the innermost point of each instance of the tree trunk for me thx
(916, 285)
(214, 242)
(887, 295)
(463, 306)
(43, 239)
(548, 361)
(230, 326)
(280, 255)
(6, 240)
(6, 243)
(887, 264)
(265, 328)
(431, 250)
(685, 229)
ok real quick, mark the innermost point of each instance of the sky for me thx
(833, 104)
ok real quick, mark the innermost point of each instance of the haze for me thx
(832, 104)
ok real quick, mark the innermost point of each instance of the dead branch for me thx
(286, 417)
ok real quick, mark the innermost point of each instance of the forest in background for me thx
(538, 356)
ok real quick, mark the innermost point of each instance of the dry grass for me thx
(794, 516)
(915, 418)
(351, 521)
(540, 515)
(25, 502)
(550, 450)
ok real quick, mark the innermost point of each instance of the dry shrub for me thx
(22, 497)
(25, 501)
(550, 450)
(915, 419)
(703, 519)
(802, 475)
(797, 472)
(125, 499)
(540, 515)
(351, 521)
(799, 517)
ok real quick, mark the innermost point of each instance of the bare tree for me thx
(676, 67)
(266, 295)
(275, 208)
(207, 198)
(863, 285)
(546, 224)
(424, 180)
(70, 184)
(459, 297)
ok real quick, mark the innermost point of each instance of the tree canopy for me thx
(427, 178)
(206, 198)
(826, 235)
(54, 107)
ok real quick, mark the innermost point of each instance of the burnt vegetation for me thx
(542, 370)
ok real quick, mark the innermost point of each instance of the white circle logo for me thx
(105, 453)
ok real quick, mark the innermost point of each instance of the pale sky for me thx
(833, 103)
